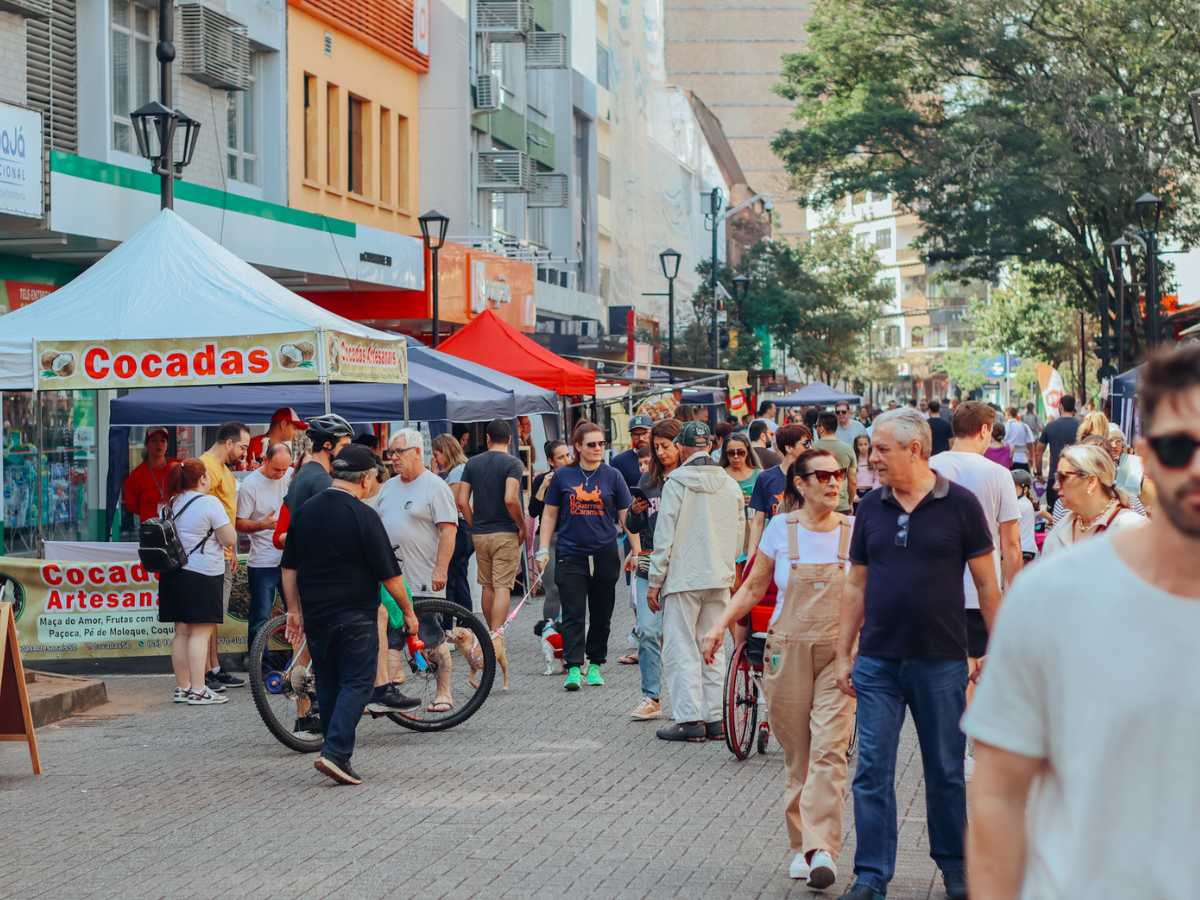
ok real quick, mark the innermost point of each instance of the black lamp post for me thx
(741, 289)
(1119, 277)
(714, 216)
(157, 117)
(433, 232)
(670, 265)
(1150, 236)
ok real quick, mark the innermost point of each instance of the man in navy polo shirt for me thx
(903, 604)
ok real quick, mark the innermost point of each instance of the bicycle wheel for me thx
(739, 707)
(280, 685)
(450, 663)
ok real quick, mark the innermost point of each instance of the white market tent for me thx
(170, 306)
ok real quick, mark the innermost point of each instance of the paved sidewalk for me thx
(540, 794)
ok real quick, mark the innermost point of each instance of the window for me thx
(499, 214)
(355, 182)
(883, 239)
(242, 153)
(860, 240)
(133, 68)
(333, 133)
(310, 127)
(602, 65)
(402, 154)
(535, 226)
(604, 176)
(385, 156)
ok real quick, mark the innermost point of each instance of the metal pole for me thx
(165, 51)
(1152, 299)
(1082, 361)
(39, 535)
(1104, 308)
(671, 326)
(437, 325)
(406, 404)
(1119, 276)
(716, 330)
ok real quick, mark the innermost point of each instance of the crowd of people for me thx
(876, 558)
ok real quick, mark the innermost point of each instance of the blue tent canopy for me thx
(433, 396)
(531, 400)
(815, 394)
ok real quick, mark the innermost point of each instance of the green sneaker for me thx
(594, 674)
(574, 679)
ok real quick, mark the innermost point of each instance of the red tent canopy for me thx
(492, 342)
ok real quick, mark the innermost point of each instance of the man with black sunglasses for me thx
(903, 606)
(1091, 691)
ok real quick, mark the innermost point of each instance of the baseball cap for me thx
(641, 420)
(354, 458)
(156, 429)
(287, 414)
(694, 434)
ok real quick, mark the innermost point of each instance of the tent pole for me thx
(39, 543)
(325, 384)
(406, 404)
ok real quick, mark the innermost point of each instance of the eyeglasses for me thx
(825, 477)
(396, 454)
(902, 534)
(1174, 450)
(594, 445)
(1060, 476)
(734, 454)
(842, 412)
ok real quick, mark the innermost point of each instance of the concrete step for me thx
(53, 697)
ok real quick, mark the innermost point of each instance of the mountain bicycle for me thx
(283, 683)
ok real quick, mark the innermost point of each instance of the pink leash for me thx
(499, 632)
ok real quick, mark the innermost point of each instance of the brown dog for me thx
(464, 640)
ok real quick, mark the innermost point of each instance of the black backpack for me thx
(159, 547)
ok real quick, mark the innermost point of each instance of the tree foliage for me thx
(1034, 313)
(1014, 128)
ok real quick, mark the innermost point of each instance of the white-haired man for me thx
(903, 606)
(421, 519)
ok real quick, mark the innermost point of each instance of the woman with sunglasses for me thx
(1085, 483)
(806, 552)
(586, 504)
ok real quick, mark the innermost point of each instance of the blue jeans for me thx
(649, 625)
(344, 648)
(935, 692)
(263, 582)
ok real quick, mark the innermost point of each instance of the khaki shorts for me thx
(498, 557)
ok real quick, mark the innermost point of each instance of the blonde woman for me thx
(1094, 423)
(1085, 483)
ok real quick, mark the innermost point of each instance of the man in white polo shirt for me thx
(259, 499)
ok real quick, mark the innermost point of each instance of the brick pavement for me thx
(540, 794)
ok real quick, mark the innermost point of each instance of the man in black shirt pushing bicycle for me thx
(337, 553)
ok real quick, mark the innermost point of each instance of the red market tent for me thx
(492, 342)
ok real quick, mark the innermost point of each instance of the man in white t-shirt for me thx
(1018, 434)
(421, 519)
(1091, 693)
(259, 499)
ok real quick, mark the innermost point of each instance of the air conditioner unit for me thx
(487, 93)
(215, 49)
(505, 171)
(546, 50)
(551, 190)
(504, 20)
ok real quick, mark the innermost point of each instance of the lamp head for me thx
(741, 288)
(433, 229)
(191, 136)
(152, 119)
(768, 206)
(1144, 203)
(670, 263)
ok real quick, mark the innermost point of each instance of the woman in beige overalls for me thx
(806, 552)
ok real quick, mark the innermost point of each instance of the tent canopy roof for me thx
(531, 399)
(492, 342)
(816, 394)
(169, 280)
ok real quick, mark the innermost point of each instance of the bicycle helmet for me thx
(1022, 478)
(327, 429)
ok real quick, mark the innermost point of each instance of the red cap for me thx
(287, 414)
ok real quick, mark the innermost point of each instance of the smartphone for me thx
(638, 494)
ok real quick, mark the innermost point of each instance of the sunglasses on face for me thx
(593, 445)
(733, 454)
(1174, 450)
(825, 477)
(1060, 477)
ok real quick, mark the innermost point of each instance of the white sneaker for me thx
(206, 697)
(799, 868)
(181, 694)
(969, 768)
(822, 872)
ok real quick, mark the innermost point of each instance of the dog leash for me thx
(499, 632)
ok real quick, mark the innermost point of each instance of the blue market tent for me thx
(815, 394)
(531, 400)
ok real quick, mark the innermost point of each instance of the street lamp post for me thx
(433, 232)
(741, 289)
(715, 200)
(1150, 236)
(1119, 278)
(669, 259)
(157, 117)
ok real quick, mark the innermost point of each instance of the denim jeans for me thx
(344, 648)
(649, 625)
(458, 583)
(588, 593)
(263, 582)
(935, 692)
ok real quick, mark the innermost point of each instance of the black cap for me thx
(354, 458)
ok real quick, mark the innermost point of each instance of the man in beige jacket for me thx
(696, 544)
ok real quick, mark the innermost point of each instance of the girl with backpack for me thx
(190, 597)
